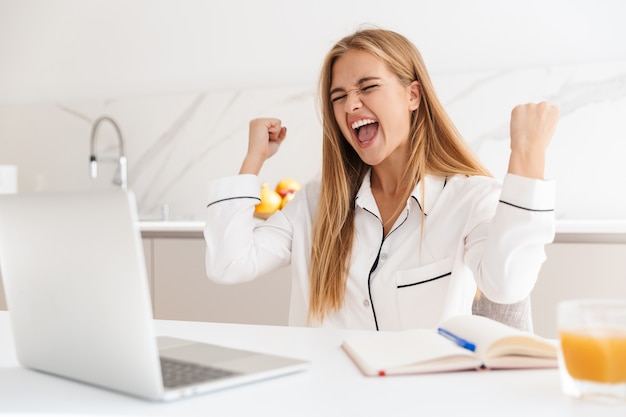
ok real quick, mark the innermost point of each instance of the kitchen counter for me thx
(588, 231)
(171, 228)
(591, 231)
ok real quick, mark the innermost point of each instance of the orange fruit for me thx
(270, 202)
(287, 198)
(287, 186)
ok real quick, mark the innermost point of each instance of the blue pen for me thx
(456, 339)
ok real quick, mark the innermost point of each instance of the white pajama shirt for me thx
(476, 232)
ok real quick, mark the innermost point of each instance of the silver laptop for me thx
(79, 302)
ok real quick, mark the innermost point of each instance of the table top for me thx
(333, 386)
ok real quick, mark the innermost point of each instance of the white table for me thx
(332, 387)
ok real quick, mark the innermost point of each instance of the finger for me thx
(279, 138)
(283, 133)
(277, 132)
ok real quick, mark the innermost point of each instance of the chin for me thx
(368, 155)
(371, 161)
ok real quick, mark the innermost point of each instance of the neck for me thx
(388, 180)
(388, 189)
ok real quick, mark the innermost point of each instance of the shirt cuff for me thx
(234, 187)
(528, 193)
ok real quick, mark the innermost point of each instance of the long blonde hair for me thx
(436, 147)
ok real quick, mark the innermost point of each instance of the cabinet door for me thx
(182, 290)
(147, 254)
(576, 270)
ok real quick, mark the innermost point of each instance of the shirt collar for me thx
(433, 187)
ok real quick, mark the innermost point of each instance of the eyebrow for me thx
(360, 82)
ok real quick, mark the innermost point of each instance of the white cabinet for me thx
(576, 270)
(183, 292)
(147, 253)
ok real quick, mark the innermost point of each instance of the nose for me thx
(353, 100)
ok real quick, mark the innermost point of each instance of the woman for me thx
(405, 224)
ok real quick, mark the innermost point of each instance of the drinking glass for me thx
(592, 351)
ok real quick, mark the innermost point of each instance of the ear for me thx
(415, 91)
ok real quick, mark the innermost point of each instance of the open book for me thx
(461, 343)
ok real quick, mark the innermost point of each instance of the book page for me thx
(500, 345)
(412, 351)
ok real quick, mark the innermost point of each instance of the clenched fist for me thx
(532, 128)
(264, 138)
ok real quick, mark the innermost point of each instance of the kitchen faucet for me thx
(122, 178)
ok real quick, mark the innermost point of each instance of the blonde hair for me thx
(436, 147)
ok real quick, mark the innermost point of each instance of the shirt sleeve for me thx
(507, 251)
(240, 247)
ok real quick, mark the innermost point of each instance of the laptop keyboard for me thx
(179, 374)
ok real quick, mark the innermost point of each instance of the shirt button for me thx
(366, 303)
(383, 256)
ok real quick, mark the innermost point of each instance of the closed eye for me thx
(366, 89)
(369, 87)
(338, 98)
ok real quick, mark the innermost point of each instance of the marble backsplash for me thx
(175, 143)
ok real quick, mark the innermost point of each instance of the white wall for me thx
(182, 78)
(59, 50)
(108, 55)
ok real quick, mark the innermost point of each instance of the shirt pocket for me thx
(421, 293)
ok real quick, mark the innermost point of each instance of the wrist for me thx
(251, 165)
(527, 164)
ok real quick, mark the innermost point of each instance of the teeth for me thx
(362, 122)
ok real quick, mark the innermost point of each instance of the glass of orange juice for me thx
(592, 348)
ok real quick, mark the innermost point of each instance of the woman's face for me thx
(372, 108)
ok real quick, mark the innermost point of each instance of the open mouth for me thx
(365, 130)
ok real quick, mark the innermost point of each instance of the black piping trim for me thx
(373, 214)
(424, 282)
(400, 225)
(525, 208)
(419, 205)
(372, 269)
(232, 198)
(369, 280)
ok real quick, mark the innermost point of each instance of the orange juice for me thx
(595, 356)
